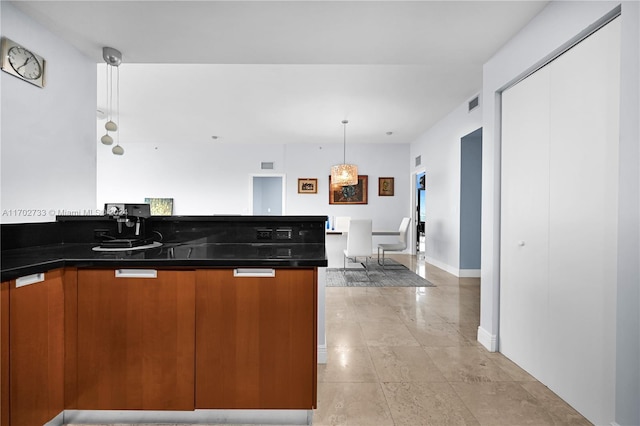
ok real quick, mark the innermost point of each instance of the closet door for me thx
(559, 223)
(524, 284)
(584, 122)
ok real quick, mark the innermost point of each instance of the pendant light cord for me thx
(344, 147)
(118, 102)
(109, 94)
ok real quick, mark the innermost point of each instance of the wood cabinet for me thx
(256, 339)
(32, 311)
(135, 340)
(105, 339)
(4, 353)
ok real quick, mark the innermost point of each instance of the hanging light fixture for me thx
(344, 174)
(113, 58)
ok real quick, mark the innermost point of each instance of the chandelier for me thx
(344, 174)
(113, 58)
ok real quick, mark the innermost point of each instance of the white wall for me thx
(556, 25)
(628, 287)
(440, 150)
(216, 178)
(48, 138)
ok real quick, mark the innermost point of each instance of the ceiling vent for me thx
(266, 165)
(418, 160)
(473, 103)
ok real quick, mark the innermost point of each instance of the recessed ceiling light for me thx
(214, 137)
(389, 133)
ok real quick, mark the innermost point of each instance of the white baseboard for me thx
(488, 340)
(57, 420)
(322, 354)
(443, 266)
(204, 417)
(469, 273)
(460, 273)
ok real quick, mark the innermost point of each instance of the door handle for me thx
(136, 273)
(254, 272)
(29, 279)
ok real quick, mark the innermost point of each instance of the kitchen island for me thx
(219, 321)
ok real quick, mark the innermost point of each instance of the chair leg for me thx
(381, 264)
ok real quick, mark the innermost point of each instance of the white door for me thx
(559, 223)
(524, 276)
(267, 195)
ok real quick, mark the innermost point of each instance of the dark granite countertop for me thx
(203, 251)
(26, 261)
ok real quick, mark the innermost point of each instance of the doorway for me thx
(470, 202)
(421, 213)
(268, 195)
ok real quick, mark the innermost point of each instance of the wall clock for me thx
(22, 63)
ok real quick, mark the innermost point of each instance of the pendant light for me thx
(113, 58)
(344, 174)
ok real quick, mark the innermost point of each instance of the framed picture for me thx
(351, 194)
(385, 187)
(307, 186)
(160, 206)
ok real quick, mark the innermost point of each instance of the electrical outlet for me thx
(264, 233)
(283, 233)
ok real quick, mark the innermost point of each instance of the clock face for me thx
(24, 63)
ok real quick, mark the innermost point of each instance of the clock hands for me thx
(25, 63)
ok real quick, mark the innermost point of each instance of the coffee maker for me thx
(131, 221)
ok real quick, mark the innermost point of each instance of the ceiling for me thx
(286, 71)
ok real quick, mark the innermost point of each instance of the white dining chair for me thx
(398, 246)
(341, 223)
(359, 242)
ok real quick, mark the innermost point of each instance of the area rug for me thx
(394, 274)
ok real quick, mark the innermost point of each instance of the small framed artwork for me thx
(385, 187)
(160, 206)
(350, 194)
(307, 186)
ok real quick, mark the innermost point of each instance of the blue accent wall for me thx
(470, 199)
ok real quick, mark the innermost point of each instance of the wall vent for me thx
(266, 165)
(418, 160)
(473, 103)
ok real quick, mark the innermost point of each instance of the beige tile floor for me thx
(408, 356)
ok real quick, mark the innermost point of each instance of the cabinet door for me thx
(256, 340)
(36, 349)
(4, 353)
(135, 340)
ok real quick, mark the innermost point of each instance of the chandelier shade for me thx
(344, 174)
